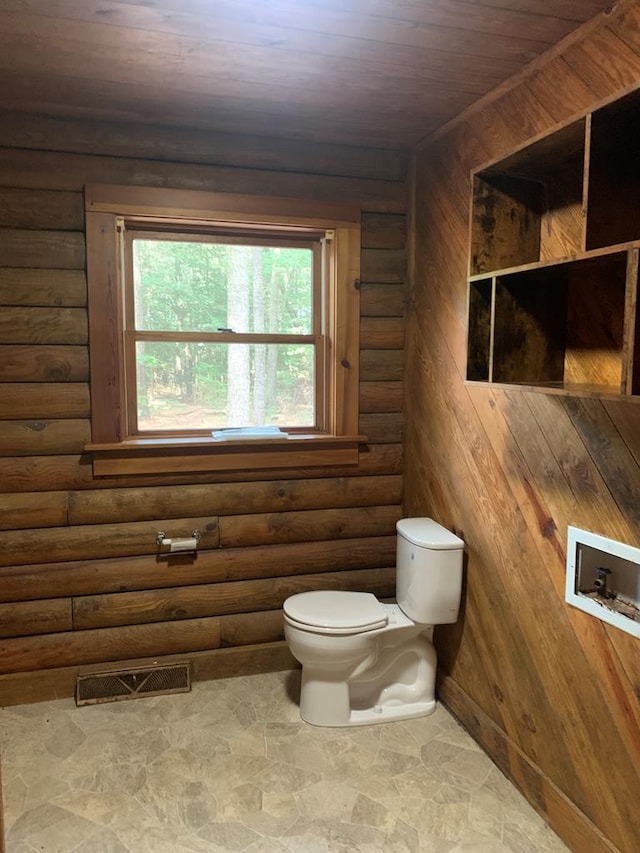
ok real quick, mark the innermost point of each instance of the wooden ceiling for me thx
(383, 73)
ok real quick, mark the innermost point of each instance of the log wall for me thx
(552, 693)
(81, 584)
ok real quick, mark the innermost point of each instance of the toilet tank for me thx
(429, 571)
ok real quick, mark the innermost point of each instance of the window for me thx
(209, 312)
(223, 330)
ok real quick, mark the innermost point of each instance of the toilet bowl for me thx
(364, 661)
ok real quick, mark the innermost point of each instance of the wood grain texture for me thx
(382, 300)
(381, 333)
(107, 611)
(51, 472)
(34, 509)
(20, 400)
(119, 505)
(381, 365)
(60, 682)
(307, 526)
(387, 73)
(41, 209)
(383, 427)
(26, 325)
(119, 139)
(68, 648)
(24, 618)
(61, 171)
(100, 540)
(32, 248)
(56, 288)
(44, 363)
(381, 396)
(233, 459)
(108, 401)
(384, 231)
(43, 437)
(384, 265)
(510, 470)
(127, 574)
(71, 539)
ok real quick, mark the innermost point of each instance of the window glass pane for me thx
(192, 286)
(183, 386)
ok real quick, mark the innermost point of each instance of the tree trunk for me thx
(272, 355)
(238, 389)
(260, 350)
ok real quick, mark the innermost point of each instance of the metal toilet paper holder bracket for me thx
(161, 538)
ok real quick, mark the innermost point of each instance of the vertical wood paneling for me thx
(510, 470)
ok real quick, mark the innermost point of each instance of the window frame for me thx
(114, 451)
(311, 239)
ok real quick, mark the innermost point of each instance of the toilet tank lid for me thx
(336, 609)
(427, 533)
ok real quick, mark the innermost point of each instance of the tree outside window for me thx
(192, 300)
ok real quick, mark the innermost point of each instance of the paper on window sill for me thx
(242, 433)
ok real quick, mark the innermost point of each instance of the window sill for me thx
(199, 453)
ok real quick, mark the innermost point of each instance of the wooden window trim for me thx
(116, 453)
(132, 334)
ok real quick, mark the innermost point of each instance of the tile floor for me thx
(230, 766)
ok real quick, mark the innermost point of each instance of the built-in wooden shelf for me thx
(553, 268)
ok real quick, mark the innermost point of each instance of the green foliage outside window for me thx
(206, 287)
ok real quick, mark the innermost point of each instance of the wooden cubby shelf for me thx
(553, 268)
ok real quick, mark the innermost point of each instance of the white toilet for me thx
(368, 662)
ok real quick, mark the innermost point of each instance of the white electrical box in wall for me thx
(603, 579)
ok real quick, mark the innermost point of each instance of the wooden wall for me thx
(80, 582)
(551, 692)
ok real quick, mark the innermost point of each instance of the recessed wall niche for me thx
(553, 267)
(603, 579)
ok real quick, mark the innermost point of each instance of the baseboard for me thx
(562, 815)
(47, 684)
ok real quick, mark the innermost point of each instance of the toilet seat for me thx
(335, 612)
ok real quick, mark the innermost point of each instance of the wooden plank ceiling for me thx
(381, 73)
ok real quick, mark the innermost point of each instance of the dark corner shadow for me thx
(292, 685)
(448, 638)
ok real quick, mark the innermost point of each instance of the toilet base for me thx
(378, 714)
(391, 713)
(398, 686)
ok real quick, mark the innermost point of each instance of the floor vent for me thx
(132, 683)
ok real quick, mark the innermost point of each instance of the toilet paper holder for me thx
(178, 544)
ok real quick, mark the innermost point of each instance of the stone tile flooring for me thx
(230, 766)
